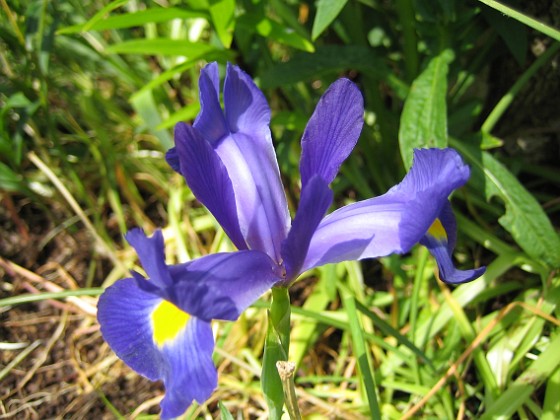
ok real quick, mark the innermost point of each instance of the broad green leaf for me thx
(327, 11)
(162, 46)
(129, 20)
(331, 60)
(275, 31)
(424, 117)
(524, 218)
(223, 17)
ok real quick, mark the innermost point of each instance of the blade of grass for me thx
(359, 347)
(523, 18)
(504, 103)
(37, 297)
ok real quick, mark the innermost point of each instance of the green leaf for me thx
(223, 14)
(187, 113)
(162, 46)
(424, 117)
(524, 218)
(224, 412)
(275, 31)
(327, 11)
(129, 20)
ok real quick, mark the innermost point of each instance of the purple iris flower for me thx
(161, 327)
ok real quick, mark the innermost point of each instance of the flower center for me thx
(167, 322)
(438, 231)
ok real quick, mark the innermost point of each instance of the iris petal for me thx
(332, 131)
(395, 221)
(152, 255)
(440, 241)
(245, 159)
(210, 122)
(248, 154)
(182, 357)
(191, 374)
(124, 313)
(208, 179)
(316, 198)
(221, 286)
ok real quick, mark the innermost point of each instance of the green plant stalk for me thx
(526, 20)
(415, 303)
(276, 349)
(406, 17)
(508, 98)
(360, 352)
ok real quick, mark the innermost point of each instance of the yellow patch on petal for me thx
(168, 321)
(438, 231)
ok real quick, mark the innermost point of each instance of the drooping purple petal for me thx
(191, 373)
(208, 179)
(395, 221)
(124, 312)
(221, 286)
(332, 131)
(316, 198)
(183, 360)
(440, 241)
(152, 256)
(248, 155)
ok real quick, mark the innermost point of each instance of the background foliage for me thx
(90, 93)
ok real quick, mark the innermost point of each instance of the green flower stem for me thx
(276, 349)
(280, 314)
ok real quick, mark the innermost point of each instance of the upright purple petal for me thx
(248, 155)
(208, 179)
(124, 313)
(246, 107)
(210, 121)
(395, 221)
(221, 286)
(191, 373)
(316, 198)
(152, 256)
(332, 131)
